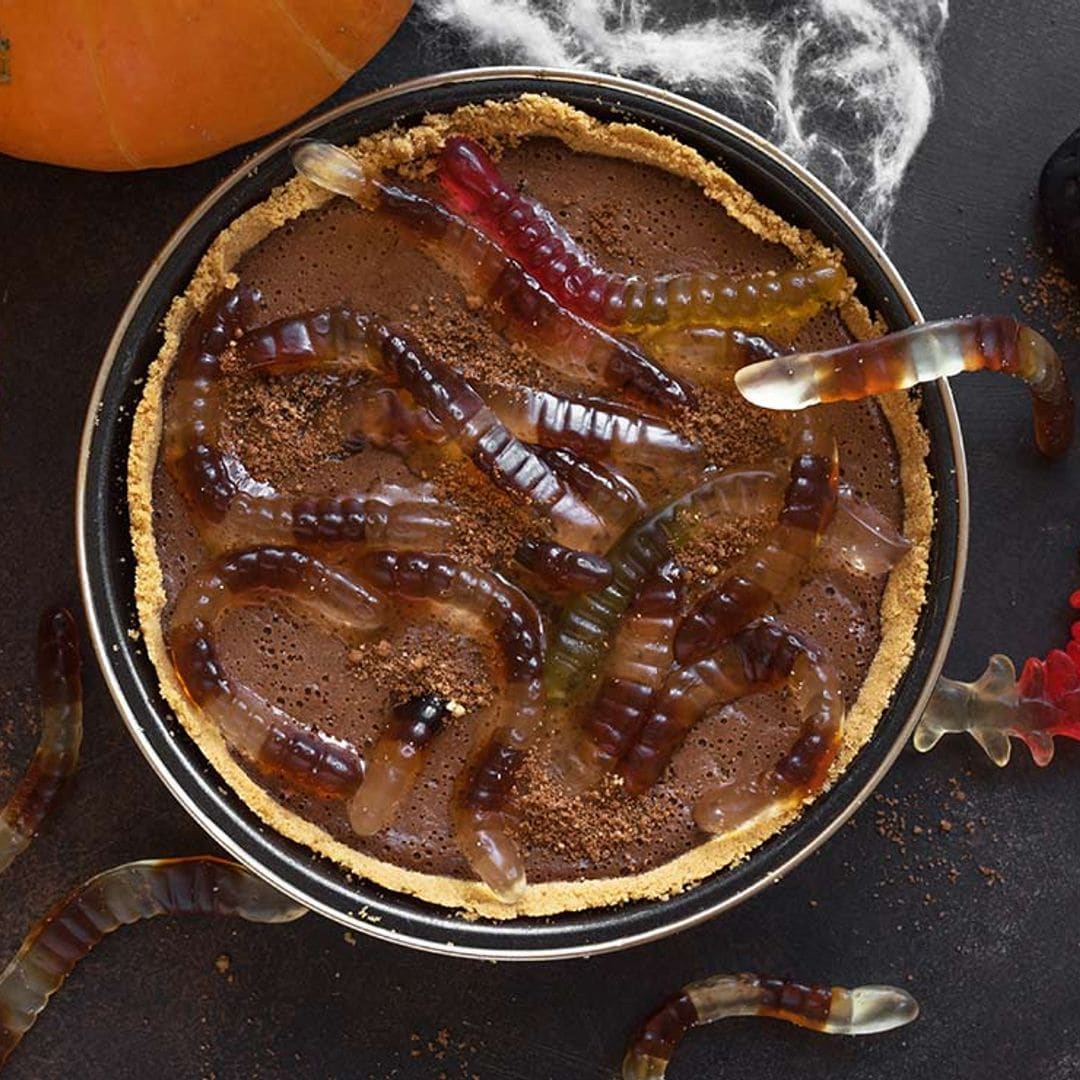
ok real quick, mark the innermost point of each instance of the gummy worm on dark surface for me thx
(832, 1010)
(201, 885)
(57, 756)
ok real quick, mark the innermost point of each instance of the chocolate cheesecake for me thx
(645, 204)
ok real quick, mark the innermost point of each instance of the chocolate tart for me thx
(645, 202)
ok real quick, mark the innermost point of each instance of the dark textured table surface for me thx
(958, 880)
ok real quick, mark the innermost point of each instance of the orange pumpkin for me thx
(129, 84)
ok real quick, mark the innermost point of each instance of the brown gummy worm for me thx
(200, 885)
(57, 754)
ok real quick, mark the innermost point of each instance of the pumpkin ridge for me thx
(99, 83)
(327, 58)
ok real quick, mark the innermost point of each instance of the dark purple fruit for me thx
(1059, 201)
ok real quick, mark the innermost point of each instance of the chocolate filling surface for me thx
(288, 433)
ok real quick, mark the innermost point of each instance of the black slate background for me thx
(979, 919)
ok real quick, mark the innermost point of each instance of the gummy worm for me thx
(561, 569)
(764, 655)
(614, 500)
(267, 736)
(389, 418)
(639, 661)
(768, 572)
(832, 1010)
(57, 754)
(707, 355)
(530, 234)
(515, 302)
(862, 537)
(394, 516)
(919, 354)
(598, 430)
(481, 808)
(206, 477)
(395, 762)
(588, 624)
(201, 885)
(229, 507)
(342, 340)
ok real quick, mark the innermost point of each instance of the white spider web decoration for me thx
(847, 87)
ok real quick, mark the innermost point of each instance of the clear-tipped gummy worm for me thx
(395, 762)
(764, 655)
(772, 569)
(920, 354)
(832, 1010)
